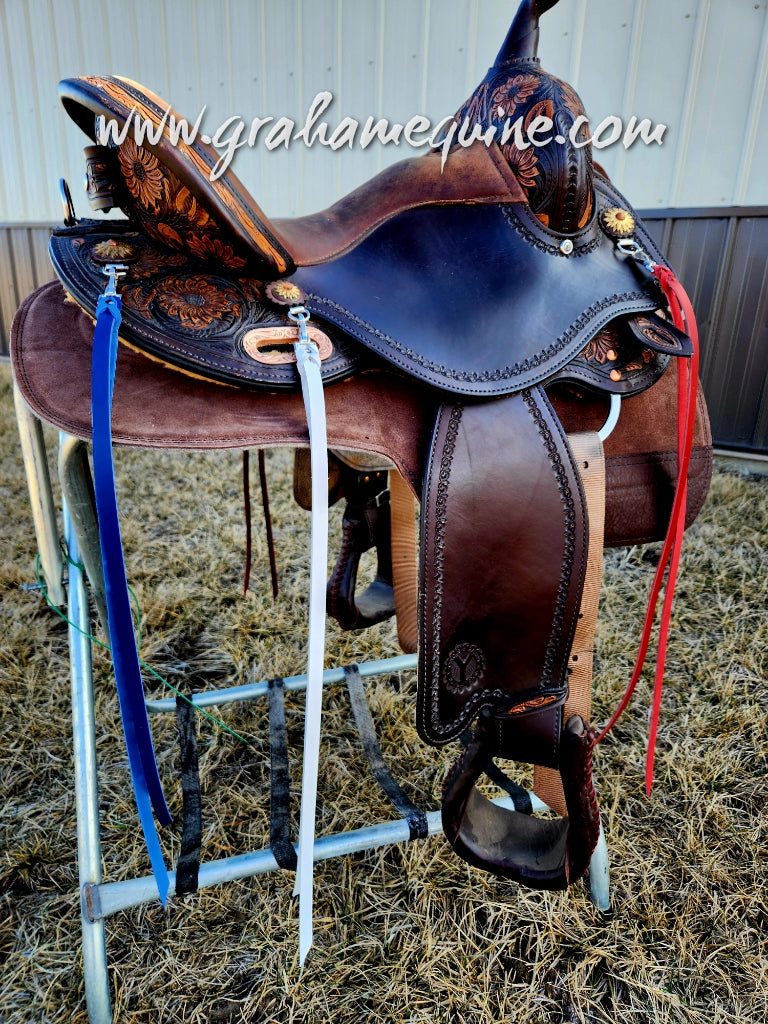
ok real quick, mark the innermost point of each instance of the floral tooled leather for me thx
(167, 211)
(556, 176)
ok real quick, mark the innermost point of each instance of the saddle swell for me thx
(512, 270)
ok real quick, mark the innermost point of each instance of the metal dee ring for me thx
(612, 419)
(299, 314)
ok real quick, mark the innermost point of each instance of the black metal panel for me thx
(721, 256)
(737, 370)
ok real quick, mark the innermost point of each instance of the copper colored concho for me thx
(617, 223)
(274, 345)
(284, 293)
(114, 250)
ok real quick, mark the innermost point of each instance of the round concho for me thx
(284, 293)
(114, 250)
(616, 222)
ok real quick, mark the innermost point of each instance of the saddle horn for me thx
(522, 41)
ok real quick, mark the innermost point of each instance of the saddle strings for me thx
(147, 787)
(267, 522)
(683, 318)
(308, 364)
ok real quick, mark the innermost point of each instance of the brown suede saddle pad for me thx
(467, 317)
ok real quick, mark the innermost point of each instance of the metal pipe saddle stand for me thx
(504, 286)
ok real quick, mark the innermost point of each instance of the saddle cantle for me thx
(509, 272)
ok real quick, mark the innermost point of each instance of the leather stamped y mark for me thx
(464, 668)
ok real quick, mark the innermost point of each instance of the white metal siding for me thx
(699, 66)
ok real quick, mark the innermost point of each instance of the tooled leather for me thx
(579, 788)
(435, 499)
(521, 220)
(231, 212)
(497, 381)
(461, 322)
(515, 653)
(557, 177)
(177, 309)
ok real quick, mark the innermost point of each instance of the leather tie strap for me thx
(308, 365)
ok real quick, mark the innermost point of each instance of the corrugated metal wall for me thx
(698, 66)
(722, 259)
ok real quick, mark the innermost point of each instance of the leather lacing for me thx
(576, 860)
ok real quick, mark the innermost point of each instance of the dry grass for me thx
(406, 934)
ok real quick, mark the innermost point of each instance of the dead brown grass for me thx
(406, 934)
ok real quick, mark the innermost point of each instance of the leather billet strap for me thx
(588, 453)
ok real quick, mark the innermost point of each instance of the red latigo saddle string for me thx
(683, 318)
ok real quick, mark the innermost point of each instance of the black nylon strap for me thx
(417, 820)
(188, 863)
(279, 790)
(521, 798)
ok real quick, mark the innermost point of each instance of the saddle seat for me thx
(476, 174)
(458, 245)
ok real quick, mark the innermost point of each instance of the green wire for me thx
(148, 668)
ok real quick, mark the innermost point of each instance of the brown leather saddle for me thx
(502, 294)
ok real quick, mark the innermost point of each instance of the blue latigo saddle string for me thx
(147, 787)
